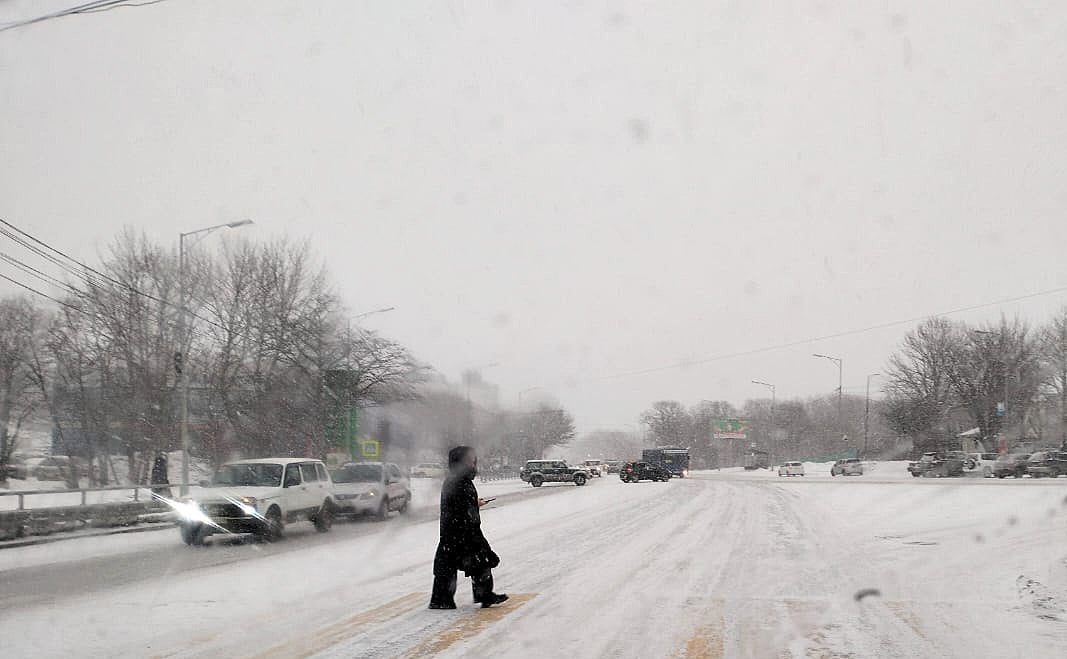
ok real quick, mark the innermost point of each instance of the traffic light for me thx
(178, 362)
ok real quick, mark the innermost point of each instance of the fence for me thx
(61, 513)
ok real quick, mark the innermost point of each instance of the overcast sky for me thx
(574, 190)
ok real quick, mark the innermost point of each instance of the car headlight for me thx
(248, 501)
(368, 495)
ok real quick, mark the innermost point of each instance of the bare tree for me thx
(542, 429)
(1053, 346)
(669, 424)
(919, 382)
(19, 333)
(997, 364)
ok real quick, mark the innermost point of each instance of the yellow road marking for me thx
(332, 634)
(468, 627)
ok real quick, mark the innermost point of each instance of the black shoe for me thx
(493, 598)
(436, 605)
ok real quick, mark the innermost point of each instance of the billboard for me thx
(729, 429)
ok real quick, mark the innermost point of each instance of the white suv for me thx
(371, 488)
(259, 497)
(791, 469)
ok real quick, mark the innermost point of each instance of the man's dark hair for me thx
(457, 454)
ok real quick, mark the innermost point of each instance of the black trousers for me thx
(444, 587)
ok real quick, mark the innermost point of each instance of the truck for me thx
(673, 459)
(757, 459)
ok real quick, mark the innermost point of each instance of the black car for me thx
(938, 465)
(1011, 464)
(1047, 463)
(632, 472)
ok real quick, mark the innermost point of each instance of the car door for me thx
(295, 491)
(315, 488)
(398, 487)
(560, 472)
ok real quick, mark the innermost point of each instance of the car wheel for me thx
(536, 481)
(324, 518)
(383, 510)
(579, 479)
(275, 525)
(193, 534)
(403, 510)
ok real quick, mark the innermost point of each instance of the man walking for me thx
(462, 545)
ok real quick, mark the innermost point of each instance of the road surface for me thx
(719, 565)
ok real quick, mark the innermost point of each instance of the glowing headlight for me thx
(368, 495)
(249, 501)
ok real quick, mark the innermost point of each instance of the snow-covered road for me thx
(728, 564)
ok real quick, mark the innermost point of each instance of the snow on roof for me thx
(283, 461)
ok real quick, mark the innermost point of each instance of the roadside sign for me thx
(369, 448)
(730, 429)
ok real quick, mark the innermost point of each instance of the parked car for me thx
(980, 464)
(633, 472)
(791, 469)
(16, 468)
(613, 466)
(538, 472)
(596, 468)
(1011, 464)
(373, 488)
(259, 497)
(847, 467)
(429, 470)
(1047, 463)
(938, 465)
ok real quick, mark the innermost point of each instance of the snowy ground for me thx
(725, 564)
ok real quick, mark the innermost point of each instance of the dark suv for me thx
(632, 472)
(1047, 463)
(1011, 464)
(537, 472)
(938, 465)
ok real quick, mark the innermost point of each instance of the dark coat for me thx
(462, 545)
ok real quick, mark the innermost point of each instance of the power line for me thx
(44, 295)
(837, 335)
(34, 272)
(90, 280)
(87, 8)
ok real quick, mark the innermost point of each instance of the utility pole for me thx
(840, 391)
(180, 361)
(771, 433)
(867, 413)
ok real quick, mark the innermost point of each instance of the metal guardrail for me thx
(22, 494)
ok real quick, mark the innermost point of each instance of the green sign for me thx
(730, 429)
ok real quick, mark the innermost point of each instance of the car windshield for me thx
(357, 474)
(255, 474)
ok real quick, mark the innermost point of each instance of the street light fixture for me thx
(371, 313)
(840, 390)
(867, 412)
(183, 312)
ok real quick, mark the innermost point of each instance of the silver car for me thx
(849, 467)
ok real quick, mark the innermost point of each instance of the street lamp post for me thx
(773, 395)
(179, 357)
(840, 371)
(867, 413)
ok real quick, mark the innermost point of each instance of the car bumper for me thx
(1040, 471)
